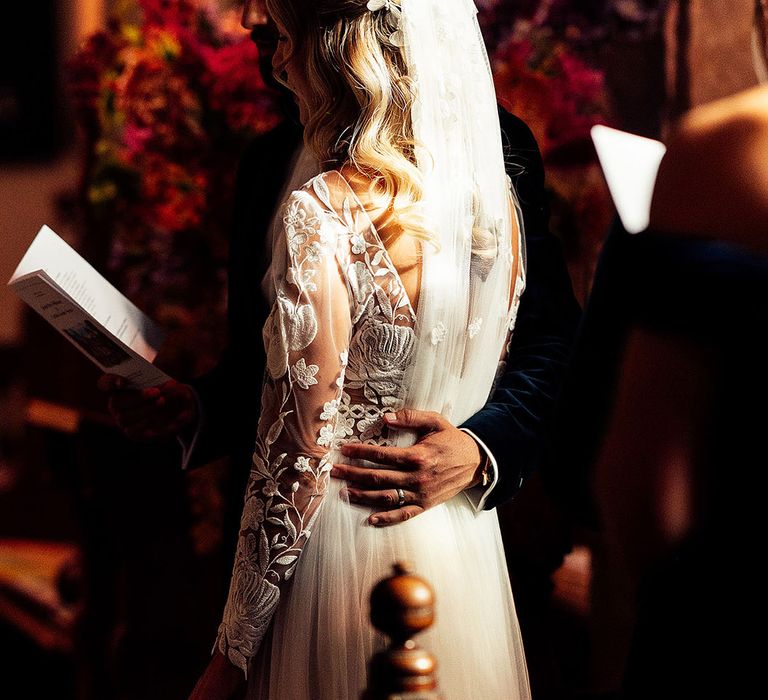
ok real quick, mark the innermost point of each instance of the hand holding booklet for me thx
(88, 311)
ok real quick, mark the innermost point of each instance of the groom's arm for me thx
(512, 425)
(509, 431)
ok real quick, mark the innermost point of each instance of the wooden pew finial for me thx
(402, 605)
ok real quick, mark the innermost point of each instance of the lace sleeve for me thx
(306, 338)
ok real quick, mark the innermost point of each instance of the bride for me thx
(395, 281)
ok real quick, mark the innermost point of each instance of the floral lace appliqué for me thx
(317, 394)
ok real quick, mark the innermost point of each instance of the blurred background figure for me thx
(165, 99)
(662, 450)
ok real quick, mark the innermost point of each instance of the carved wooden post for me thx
(402, 606)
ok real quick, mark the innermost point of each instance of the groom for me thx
(488, 457)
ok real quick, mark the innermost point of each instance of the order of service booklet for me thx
(88, 311)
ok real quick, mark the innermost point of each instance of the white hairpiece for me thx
(388, 5)
(392, 8)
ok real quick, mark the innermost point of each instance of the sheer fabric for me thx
(306, 338)
(340, 342)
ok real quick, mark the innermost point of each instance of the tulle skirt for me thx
(322, 639)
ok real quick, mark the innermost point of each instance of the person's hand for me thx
(156, 412)
(220, 681)
(443, 462)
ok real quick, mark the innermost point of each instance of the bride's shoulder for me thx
(316, 211)
(326, 192)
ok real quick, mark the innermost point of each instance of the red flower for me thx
(181, 13)
(135, 140)
(237, 89)
(157, 99)
(554, 91)
(86, 73)
(173, 196)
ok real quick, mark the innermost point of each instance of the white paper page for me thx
(630, 164)
(66, 267)
(84, 332)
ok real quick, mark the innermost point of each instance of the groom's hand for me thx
(145, 414)
(443, 462)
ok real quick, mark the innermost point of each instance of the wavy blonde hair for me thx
(359, 106)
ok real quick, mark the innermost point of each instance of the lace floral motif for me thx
(439, 333)
(338, 341)
(378, 356)
(364, 422)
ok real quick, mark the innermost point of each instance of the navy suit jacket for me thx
(511, 424)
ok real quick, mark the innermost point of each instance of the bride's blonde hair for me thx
(359, 106)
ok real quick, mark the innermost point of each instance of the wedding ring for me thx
(400, 497)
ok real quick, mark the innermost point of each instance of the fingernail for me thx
(373, 520)
(390, 417)
(335, 473)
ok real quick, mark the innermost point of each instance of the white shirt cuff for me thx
(188, 443)
(478, 495)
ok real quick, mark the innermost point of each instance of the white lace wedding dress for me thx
(339, 342)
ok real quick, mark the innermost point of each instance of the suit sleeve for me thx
(513, 424)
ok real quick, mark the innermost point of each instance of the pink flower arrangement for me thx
(560, 96)
(557, 93)
(168, 96)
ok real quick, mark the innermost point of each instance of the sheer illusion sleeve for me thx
(306, 338)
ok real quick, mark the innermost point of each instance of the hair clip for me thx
(393, 7)
(388, 5)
